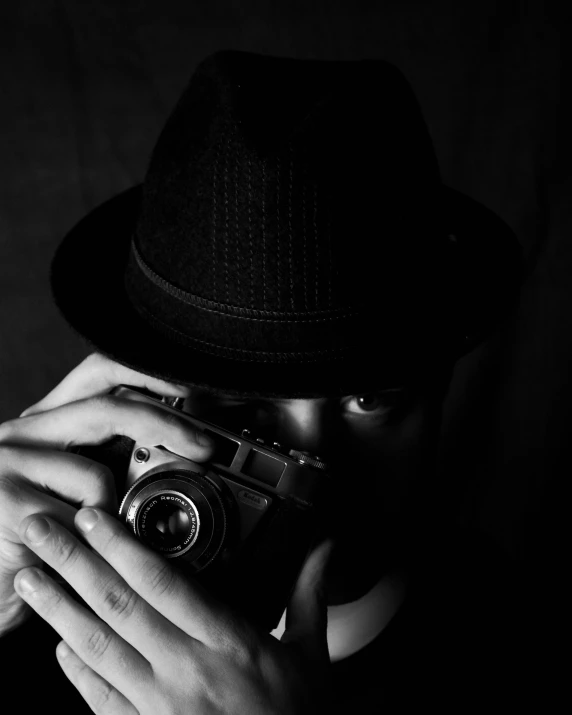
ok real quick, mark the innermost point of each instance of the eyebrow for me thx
(380, 392)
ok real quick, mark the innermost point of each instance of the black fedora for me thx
(292, 238)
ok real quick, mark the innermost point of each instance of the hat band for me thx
(236, 332)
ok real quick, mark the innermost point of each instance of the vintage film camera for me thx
(241, 524)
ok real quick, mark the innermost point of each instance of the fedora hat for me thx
(292, 237)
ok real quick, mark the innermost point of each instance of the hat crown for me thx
(292, 238)
(291, 186)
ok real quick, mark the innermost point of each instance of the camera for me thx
(242, 524)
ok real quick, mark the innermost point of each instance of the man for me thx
(292, 265)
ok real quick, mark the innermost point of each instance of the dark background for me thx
(86, 86)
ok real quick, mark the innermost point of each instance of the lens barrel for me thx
(178, 513)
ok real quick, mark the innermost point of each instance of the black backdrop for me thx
(86, 86)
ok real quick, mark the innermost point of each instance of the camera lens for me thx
(169, 521)
(172, 522)
(179, 513)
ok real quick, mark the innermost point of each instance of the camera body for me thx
(242, 524)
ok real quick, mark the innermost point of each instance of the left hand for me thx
(160, 643)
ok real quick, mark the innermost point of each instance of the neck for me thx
(352, 626)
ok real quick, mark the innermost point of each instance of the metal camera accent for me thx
(241, 524)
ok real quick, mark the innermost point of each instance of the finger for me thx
(97, 375)
(98, 693)
(112, 600)
(49, 482)
(95, 643)
(72, 478)
(180, 600)
(97, 419)
(307, 612)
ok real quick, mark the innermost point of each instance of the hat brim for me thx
(87, 280)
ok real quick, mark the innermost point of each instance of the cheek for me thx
(393, 462)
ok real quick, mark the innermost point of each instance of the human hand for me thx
(157, 642)
(38, 476)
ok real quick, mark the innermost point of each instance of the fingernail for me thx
(86, 519)
(30, 581)
(37, 531)
(63, 650)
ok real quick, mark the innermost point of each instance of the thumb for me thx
(307, 611)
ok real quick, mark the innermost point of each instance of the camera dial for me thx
(300, 455)
(306, 458)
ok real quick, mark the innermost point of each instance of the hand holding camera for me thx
(242, 524)
(237, 515)
(38, 475)
(151, 635)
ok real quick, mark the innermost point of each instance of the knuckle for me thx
(160, 578)
(96, 360)
(97, 644)
(66, 552)
(97, 364)
(99, 474)
(229, 636)
(100, 697)
(119, 600)
(52, 604)
(116, 371)
(10, 489)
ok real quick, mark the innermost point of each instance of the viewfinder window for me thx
(263, 467)
(225, 449)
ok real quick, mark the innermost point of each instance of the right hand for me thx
(37, 475)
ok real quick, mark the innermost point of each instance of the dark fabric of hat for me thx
(292, 238)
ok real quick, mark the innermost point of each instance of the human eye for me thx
(380, 406)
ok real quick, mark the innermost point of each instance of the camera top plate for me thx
(298, 476)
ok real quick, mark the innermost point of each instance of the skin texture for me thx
(134, 650)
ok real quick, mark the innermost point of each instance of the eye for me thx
(373, 404)
(368, 403)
